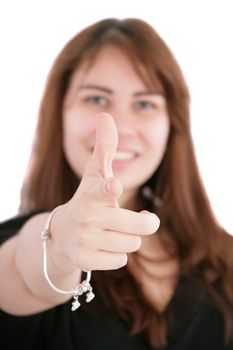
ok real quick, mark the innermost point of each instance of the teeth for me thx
(122, 155)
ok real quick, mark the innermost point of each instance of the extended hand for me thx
(91, 230)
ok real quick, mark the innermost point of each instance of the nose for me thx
(125, 122)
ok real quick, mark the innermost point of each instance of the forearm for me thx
(23, 286)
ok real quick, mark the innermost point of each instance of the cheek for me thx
(77, 132)
(76, 126)
(157, 133)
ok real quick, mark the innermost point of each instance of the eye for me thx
(144, 105)
(96, 100)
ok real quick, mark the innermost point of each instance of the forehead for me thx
(111, 63)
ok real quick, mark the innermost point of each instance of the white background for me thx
(200, 34)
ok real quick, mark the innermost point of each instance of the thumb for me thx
(100, 163)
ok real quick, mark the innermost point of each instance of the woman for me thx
(113, 155)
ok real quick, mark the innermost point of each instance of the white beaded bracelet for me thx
(83, 287)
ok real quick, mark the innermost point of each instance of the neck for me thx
(157, 256)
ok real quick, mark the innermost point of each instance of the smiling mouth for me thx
(124, 155)
(121, 155)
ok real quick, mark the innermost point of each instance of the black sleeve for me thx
(10, 227)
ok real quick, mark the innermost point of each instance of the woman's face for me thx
(111, 85)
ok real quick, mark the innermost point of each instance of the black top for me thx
(198, 325)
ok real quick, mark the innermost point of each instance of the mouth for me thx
(124, 155)
(123, 158)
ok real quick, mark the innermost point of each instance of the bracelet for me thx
(83, 287)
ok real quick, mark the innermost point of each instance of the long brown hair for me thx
(185, 212)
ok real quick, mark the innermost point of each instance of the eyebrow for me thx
(109, 91)
(95, 87)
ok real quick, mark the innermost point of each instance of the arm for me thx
(23, 286)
